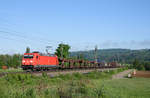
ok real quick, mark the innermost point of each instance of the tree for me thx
(27, 50)
(10, 60)
(135, 63)
(62, 51)
(2, 61)
(16, 58)
(141, 67)
(80, 56)
(147, 65)
(138, 65)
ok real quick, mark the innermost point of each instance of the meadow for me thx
(92, 85)
(11, 70)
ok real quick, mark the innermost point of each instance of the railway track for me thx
(83, 71)
(55, 72)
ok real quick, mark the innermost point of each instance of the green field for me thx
(11, 70)
(92, 85)
(127, 88)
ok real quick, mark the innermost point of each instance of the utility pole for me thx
(95, 53)
(61, 50)
(48, 48)
(118, 57)
(87, 52)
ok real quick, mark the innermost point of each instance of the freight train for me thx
(37, 61)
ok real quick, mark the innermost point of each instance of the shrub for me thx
(13, 78)
(44, 74)
(99, 91)
(113, 72)
(140, 67)
(147, 66)
(30, 93)
(65, 77)
(77, 75)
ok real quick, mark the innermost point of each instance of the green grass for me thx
(92, 85)
(128, 88)
(11, 70)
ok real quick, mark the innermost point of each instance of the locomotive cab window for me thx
(28, 56)
(36, 57)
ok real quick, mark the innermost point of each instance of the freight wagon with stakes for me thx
(37, 61)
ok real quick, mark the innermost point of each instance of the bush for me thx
(100, 91)
(44, 74)
(73, 89)
(113, 72)
(147, 66)
(65, 77)
(12, 78)
(140, 67)
(30, 93)
(78, 75)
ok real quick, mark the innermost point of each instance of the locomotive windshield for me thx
(28, 56)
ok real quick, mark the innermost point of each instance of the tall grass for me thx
(11, 70)
(63, 86)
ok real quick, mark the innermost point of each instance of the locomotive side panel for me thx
(48, 61)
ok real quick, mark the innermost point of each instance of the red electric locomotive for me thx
(37, 61)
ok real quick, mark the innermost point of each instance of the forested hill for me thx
(120, 55)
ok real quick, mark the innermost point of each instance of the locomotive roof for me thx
(41, 54)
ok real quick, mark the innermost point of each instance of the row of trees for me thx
(141, 65)
(10, 60)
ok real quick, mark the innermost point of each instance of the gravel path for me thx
(121, 74)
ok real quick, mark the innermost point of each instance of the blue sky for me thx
(80, 23)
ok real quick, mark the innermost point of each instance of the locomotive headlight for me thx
(23, 61)
(31, 61)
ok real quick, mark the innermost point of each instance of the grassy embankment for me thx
(92, 85)
(11, 70)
